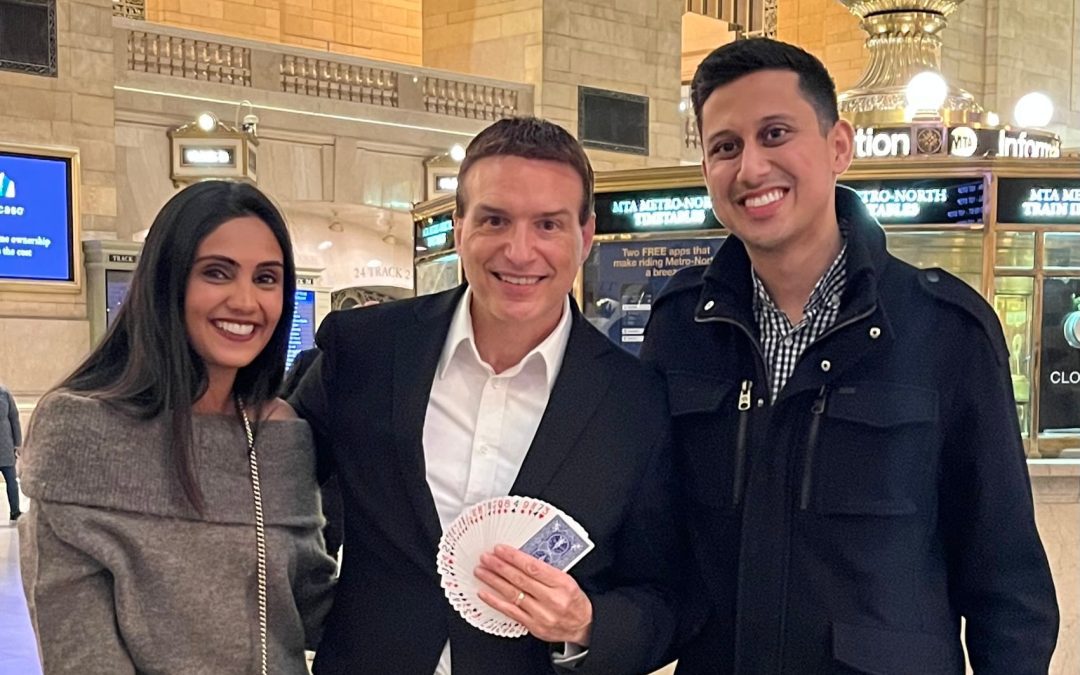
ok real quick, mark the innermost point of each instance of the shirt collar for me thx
(461, 340)
(826, 284)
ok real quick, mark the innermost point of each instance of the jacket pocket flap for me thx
(882, 404)
(695, 393)
(887, 652)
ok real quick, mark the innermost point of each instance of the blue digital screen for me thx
(302, 331)
(35, 218)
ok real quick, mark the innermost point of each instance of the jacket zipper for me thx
(747, 333)
(740, 441)
(811, 445)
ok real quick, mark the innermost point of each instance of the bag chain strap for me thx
(260, 532)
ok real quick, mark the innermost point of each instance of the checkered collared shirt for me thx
(783, 343)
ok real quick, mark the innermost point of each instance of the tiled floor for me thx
(18, 649)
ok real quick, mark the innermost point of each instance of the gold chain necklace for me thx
(260, 532)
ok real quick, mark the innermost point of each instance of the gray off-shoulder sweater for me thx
(123, 576)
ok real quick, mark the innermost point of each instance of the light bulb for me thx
(457, 152)
(206, 121)
(1034, 110)
(926, 91)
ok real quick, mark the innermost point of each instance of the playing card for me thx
(529, 524)
(558, 544)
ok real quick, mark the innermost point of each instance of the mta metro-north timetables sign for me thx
(35, 218)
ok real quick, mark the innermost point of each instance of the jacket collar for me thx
(728, 291)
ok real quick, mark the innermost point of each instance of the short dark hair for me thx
(743, 57)
(145, 364)
(530, 138)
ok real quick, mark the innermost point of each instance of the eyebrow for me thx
(232, 263)
(494, 210)
(769, 119)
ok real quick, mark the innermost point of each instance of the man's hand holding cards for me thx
(503, 564)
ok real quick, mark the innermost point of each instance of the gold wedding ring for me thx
(519, 598)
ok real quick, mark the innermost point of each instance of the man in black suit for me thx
(427, 406)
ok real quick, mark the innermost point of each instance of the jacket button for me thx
(826, 365)
(932, 276)
(709, 305)
(875, 333)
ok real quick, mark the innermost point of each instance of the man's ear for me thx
(842, 145)
(588, 231)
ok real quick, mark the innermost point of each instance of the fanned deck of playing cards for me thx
(531, 525)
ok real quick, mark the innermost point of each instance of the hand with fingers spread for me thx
(542, 598)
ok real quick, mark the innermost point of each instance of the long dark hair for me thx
(145, 364)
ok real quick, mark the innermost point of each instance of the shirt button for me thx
(826, 365)
(496, 384)
(788, 341)
(834, 301)
(483, 450)
(875, 333)
(709, 305)
(760, 402)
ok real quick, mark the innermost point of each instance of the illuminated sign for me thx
(1034, 200)
(891, 143)
(654, 211)
(201, 156)
(302, 330)
(446, 183)
(934, 201)
(36, 217)
(963, 141)
(434, 234)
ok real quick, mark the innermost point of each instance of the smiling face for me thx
(770, 170)
(521, 242)
(234, 295)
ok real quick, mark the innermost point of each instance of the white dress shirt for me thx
(479, 424)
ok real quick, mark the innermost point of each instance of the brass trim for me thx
(56, 287)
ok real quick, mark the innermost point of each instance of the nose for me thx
(518, 247)
(753, 165)
(242, 296)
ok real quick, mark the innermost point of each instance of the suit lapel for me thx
(416, 356)
(579, 388)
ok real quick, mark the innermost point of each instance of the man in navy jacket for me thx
(846, 432)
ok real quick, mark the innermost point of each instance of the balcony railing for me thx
(748, 18)
(192, 55)
(129, 9)
(188, 58)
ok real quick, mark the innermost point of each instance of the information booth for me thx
(1009, 227)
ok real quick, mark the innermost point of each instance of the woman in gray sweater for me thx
(174, 524)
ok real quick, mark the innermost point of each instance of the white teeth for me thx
(765, 199)
(235, 328)
(519, 281)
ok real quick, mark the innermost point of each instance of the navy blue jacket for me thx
(884, 495)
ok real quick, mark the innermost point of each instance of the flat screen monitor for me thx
(302, 332)
(37, 224)
(117, 283)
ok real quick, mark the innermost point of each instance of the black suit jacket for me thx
(601, 453)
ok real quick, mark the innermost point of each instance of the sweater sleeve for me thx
(70, 596)
(313, 587)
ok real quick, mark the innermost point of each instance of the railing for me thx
(330, 79)
(190, 55)
(465, 99)
(748, 18)
(129, 9)
(188, 58)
